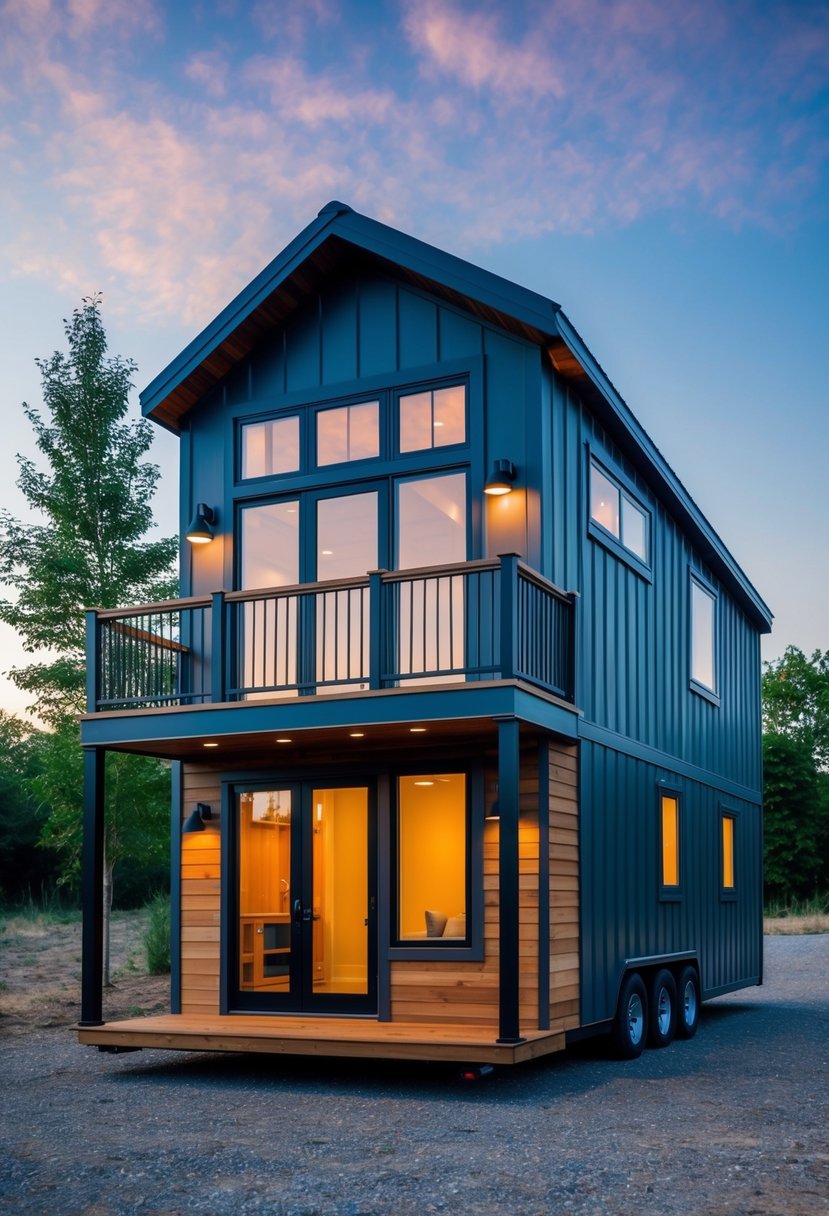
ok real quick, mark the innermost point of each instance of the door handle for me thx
(297, 910)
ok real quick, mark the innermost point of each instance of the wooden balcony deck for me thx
(354, 1037)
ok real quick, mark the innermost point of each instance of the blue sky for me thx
(660, 168)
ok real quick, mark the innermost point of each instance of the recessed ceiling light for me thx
(327, 552)
(357, 734)
(210, 745)
(417, 730)
(283, 740)
(424, 783)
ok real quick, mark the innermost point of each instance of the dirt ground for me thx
(40, 973)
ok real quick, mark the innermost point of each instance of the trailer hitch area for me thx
(112, 1049)
(469, 1073)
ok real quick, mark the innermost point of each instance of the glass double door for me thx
(305, 899)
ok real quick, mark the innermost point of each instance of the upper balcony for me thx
(436, 628)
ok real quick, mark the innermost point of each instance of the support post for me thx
(217, 647)
(377, 641)
(93, 680)
(509, 614)
(508, 912)
(92, 964)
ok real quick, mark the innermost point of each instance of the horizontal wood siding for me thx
(468, 993)
(565, 977)
(200, 895)
(623, 916)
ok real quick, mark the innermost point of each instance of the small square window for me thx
(350, 432)
(271, 447)
(433, 419)
(619, 515)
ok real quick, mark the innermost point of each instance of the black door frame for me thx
(300, 997)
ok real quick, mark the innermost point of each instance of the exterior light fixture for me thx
(501, 478)
(200, 531)
(196, 819)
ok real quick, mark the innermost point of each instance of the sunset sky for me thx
(660, 168)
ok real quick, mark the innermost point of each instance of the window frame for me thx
(698, 581)
(669, 892)
(398, 394)
(627, 493)
(434, 949)
(728, 894)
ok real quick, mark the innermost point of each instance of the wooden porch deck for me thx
(355, 1037)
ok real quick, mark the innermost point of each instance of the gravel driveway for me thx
(734, 1121)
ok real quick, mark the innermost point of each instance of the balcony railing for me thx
(485, 620)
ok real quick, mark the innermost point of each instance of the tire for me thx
(688, 1003)
(630, 1028)
(663, 1009)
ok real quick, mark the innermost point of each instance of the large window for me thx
(703, 636)
(670, 854)
(618, 514)
(432, 859)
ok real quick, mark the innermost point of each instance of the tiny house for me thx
(461, 695)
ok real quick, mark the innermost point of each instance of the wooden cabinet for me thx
(265, 951)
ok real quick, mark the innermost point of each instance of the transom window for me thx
(319, 436)
(432, 419)
(350, 432)
(615, 510)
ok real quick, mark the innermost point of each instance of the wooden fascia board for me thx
(593, 383)
(230, 318)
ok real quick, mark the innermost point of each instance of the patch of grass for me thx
(157, 934)
(798, 916)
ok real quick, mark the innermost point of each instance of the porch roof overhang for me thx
(324, 723)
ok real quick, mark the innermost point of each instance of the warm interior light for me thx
(210, 745)
(357, 734)
(424, 783)
(501, 478)
(200, 531)
(284, 740)
(417, 730)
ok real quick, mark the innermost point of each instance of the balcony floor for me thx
(355, 1037)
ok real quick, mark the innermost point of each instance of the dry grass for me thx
(815, 922)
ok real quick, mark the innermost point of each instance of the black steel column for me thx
(508, 795)
(92, 966)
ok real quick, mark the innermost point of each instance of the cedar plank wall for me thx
(467, 993)
(564, 887)
(200, 895)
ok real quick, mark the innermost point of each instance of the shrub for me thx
(157, 934)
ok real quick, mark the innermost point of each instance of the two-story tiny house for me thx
(462, 693)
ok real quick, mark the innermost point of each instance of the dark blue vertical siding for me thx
(623, 916)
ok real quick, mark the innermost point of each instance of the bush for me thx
(157, 934)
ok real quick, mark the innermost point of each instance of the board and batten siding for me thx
(623, 915)
(633, 651)
(201, 895)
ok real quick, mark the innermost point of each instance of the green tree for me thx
(94, 497)
(796, 700)
(794, 818)
(92, 491)
(26, 869)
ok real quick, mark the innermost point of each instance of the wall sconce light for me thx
(501, 478)
(494, 809)
(200, 532)
(196, 819)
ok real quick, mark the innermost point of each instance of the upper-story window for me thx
(270, 447)
(616, 511)
(703, 636)
(432, 419)
(396, 423)
(348, 432)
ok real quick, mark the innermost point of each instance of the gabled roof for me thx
(339, 239)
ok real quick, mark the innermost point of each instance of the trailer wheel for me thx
(663, 1009)
(687, 1018)
(630, 1029)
